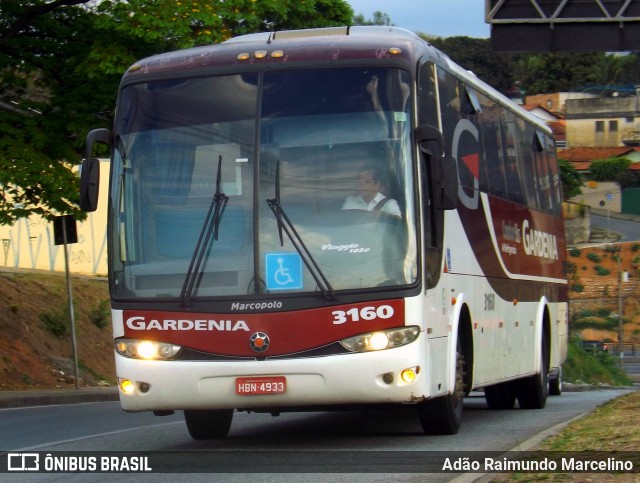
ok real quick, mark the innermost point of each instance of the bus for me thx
(327, 219)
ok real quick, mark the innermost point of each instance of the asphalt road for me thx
(305, 447)
(628, 229)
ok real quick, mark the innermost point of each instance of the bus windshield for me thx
(331, 148)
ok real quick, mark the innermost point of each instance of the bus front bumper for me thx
(390, 376)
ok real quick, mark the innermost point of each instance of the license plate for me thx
(251, 386)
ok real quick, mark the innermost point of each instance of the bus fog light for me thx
(144, 387)
(408, 375)
(126, 386)
(387, 378)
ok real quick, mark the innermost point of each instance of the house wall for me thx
(29, 243)
(556, 102)
(596, 192)
(601, 122)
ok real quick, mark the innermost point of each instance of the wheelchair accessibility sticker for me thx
(284, 271)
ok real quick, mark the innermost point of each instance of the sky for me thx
(442, 18)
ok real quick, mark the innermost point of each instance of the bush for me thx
(594, 257)
(603, 272)
(586, 313)
(575, 252)
(56, 321)
(100, 315)
(601, 368)
(588, 323)
(577, 287)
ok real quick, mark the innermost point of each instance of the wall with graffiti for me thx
(29, 243)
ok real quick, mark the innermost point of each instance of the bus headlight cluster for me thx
(146, 349)
(382, 339)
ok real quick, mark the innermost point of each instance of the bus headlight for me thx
(381, 339)
(146, 349)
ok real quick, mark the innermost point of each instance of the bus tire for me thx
(501, 396)
(213, 424)
(533, 390)
(443, 415)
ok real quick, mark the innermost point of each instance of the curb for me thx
(16, 399)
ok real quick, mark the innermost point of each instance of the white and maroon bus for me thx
(251, 268)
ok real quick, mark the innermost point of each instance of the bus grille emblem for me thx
(259, 341)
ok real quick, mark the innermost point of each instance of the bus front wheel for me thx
(213, 424)
(443, 415)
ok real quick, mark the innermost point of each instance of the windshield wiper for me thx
(284, 223)
(209, 229)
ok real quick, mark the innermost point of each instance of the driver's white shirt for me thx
(357, 202)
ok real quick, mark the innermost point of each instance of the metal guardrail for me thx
(629, 349)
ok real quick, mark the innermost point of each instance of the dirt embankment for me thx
(36, 349)
(593, 288)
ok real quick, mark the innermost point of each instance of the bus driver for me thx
(371, 197)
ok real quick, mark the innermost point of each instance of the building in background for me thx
(29, 243)
(602, 123)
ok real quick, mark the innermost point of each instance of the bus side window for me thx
(517, 159)
(556, 185)
(488, 121)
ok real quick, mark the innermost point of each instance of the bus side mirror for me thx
(101, 135)
(430, 140)
(90, 171)
(445, 185)
(89, 184)
(444, 170)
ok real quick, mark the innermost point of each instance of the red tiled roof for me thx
(559, 129)
(581, 165)
(591, 154)
(581, 158)
(533, 107)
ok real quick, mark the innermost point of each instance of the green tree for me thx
(570, 179)
(609, 169)
(37, 145)
(61, 62)
(628, 178)
(174, 25)
(379, 18)
(610, 69)
(559, 72)
(476, 55)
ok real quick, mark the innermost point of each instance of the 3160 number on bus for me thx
(365, 313)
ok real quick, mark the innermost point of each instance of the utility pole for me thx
(616, 252)
(620, 327)
(65, 232)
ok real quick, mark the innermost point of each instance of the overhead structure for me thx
(563, 25)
